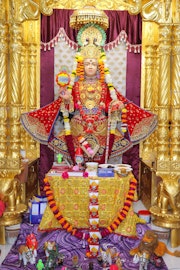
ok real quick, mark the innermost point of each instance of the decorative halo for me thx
(91, 34)
(62, 78)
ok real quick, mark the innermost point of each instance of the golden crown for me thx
(90, 51)
(89, 14)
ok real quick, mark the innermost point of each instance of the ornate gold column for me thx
(163, 93)
(164, 15)
(166, 211)
(14, 95)
(23, 95)
(31, 90)
(4, 92)
(19, 55)
(175, 101)
(151, 84)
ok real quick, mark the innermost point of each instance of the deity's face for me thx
(90, 67)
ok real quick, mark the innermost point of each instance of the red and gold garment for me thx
(90, 120)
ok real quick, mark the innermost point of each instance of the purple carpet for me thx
(70, 246)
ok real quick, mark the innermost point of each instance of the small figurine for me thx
(144, 261)
(79, 158)
(32, 243)
(26, 255)
(119, 263)
(59, 158)
(54, 258)
(75, 261)
(106, 257)
(60, 259)
(148, 247)
(91, 266)
(51, 260)
(48, 246)
(40, 265)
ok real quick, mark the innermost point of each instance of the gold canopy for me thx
(89, 14)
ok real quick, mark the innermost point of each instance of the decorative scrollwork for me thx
(132, 6)
(46, 7)
(23, 10)
(152, 11)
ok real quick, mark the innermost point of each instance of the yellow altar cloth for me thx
(72, 198)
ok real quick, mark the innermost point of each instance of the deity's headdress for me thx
(91, 24)
(91, 39)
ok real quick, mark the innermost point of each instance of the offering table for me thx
(72, 197)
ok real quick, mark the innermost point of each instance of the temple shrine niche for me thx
(20, 92)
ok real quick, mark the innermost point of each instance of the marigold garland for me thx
(105, 231)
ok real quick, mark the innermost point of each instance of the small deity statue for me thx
(32, 243)
(75, 261)
(40, 265)
(26, 255)
(79, 159)
(53, 256)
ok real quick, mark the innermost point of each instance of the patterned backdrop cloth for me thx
(70, 246)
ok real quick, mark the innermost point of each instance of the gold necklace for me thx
(90, 94)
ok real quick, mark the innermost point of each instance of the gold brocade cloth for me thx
(72, 198)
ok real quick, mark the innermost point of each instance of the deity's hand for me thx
(64, 94)
(117, 105)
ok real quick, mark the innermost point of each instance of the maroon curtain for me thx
(118, 21)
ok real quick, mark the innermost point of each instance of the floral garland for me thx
(77, 232)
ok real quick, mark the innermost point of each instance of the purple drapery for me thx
(118, 21)
(46, 96)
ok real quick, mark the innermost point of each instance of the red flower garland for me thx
(77, 232)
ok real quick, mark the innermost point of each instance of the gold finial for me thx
(89, 14)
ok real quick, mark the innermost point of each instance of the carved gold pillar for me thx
(151, 83)
(4, 91)
(163, 93)
(32, 90)
(175, 101)
(166, 213)
(14, 95)
(23, 96)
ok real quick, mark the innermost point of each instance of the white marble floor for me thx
(173, 263)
